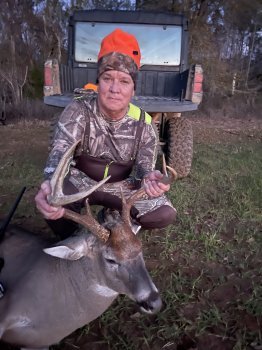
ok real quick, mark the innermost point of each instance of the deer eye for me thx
(111, 261)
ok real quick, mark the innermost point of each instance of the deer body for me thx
(47, 297)
(51, 290)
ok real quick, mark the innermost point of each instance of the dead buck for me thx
(53, 290)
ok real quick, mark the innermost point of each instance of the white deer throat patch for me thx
(104, 291)
(20, 322)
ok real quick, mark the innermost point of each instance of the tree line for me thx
(225, 37)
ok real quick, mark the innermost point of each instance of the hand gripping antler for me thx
(128, 203)
(58, 198)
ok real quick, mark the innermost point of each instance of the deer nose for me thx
(150, 305)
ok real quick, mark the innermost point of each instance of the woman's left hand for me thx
(152, 184)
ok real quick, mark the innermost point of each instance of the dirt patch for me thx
(226, 130)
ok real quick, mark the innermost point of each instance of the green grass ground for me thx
(207, 266)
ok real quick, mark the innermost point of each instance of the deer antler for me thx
(87, 220)
(58, 198)
(127, 204)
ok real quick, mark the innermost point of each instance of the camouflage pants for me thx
(145, 205)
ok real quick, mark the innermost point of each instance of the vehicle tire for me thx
(178, 149)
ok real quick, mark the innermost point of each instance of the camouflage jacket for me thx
(71, 127)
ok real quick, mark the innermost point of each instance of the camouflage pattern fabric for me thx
(71, 127)
(117, 61)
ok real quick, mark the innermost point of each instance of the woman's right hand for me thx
(49, 212)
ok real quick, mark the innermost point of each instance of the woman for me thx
(117, 138)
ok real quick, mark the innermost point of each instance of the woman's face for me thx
(115, 90)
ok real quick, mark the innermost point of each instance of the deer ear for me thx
(72, 248)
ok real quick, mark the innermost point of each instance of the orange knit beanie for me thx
(121, 42)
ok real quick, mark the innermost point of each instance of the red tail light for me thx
(198, 82)
(48, 74)
(197, 88)
(51, 75)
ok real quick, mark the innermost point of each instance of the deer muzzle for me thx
(151, 305)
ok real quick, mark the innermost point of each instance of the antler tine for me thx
(89, 222)
(127, 204)
(57, 197)
(164, 165)
(166, 179)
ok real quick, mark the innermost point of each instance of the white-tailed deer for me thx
(51, 290)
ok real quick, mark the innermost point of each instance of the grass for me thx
(208, 265)
(210, 259)
(22, 158)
